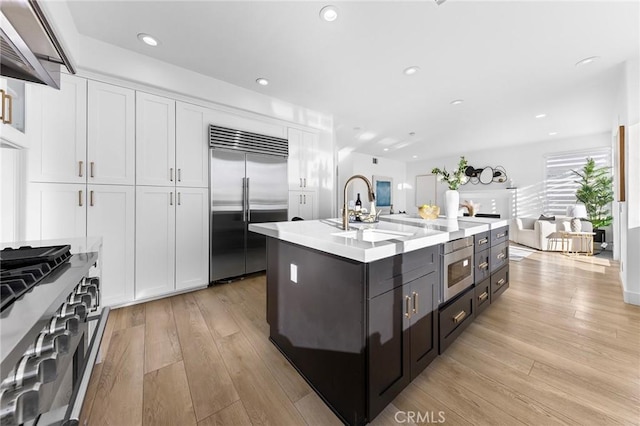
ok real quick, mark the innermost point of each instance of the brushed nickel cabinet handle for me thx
(500, 282)
(415, 302)
(300, 199)
(407, 307)
(500, 235)
(80, 168)
(179, 199)
(2, 111)
(171, 174)
(457, 319)
(483, 241)
(483, 265)
(483, 297)
(80, 198)
(179, 175)
(171, 198)
(300, 182)
(501, 255)
(305, 198)
(305, 182)
(91, 198)
(91, 167)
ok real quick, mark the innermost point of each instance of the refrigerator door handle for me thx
(244, 199)
(248, 205)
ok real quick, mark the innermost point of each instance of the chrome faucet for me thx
(372, 199)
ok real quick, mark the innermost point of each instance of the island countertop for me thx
(369, 242)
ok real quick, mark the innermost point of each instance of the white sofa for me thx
(544, 234)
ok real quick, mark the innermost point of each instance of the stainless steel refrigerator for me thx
(246, 187)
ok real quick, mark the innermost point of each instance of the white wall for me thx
(524, 165)
(353, 163)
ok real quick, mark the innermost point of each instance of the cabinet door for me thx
(111, 215)
(295, 201)
(155, 140)
(389, 347)
(294, 160)
(192, 237)
(424, 322)
(307, 205)
(56, 211)
(12, 117)
(110, 134)
(192, 145)
(155, 241)
(309, 160)
(58, 136)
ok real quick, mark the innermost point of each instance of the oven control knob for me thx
(74, 308)
(50, 342)
(70, 323)
(32, 369)
(82, 298)
(18, 406)
(92, 291)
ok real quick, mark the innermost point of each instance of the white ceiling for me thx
(508, 60)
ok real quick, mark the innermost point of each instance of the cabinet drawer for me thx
(482, 296)
(499, 235)
(387, 274)
(482, 241)
(499, 282)
(455, 318)
(482, 265)
(499, 256)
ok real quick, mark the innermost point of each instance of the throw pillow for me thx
(576, 225)
(543, 217)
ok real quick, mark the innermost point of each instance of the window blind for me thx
(561, 183)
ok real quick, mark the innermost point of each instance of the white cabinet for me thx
(56, 210)
(302, 204)
(155, 241)
(110, 134)
(192, 237)
(111, 215)
(172, 239)
(13, 94)
(303, 160)
(155, 140)
(192, 145)
(58, 132)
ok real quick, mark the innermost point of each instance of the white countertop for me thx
(412, 234)
(493, 223)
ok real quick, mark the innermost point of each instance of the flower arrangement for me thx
(454, 179)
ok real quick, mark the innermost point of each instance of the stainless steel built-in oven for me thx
(457, 267)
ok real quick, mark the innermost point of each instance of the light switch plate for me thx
(294, 273)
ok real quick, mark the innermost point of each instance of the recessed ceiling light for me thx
(386, 149)
(456, 101)
(147, 39)
(411, 70)
(541, 115)
(415, 156)
(357, 128)
(412, 133)
(553, 133)
(329, 13)
(588, 60)
(262, 81)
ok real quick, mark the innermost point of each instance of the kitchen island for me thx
(357, 312)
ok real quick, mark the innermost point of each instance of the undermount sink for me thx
(371, 235)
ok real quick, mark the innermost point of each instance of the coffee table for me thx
(584, 242)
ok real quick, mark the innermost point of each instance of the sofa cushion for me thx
(543, 217)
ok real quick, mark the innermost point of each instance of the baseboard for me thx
(631, 298)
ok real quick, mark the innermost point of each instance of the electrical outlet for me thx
(294, 273)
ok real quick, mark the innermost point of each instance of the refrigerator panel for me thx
(267, 185)
(257, 243)
(228, 217)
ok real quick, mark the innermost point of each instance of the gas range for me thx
(48, 339)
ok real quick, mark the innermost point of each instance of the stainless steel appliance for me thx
(49, 337)
(457, 267)
(248, 184)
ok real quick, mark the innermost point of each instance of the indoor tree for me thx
(595, 192)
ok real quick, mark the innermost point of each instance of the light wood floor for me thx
(559, 346)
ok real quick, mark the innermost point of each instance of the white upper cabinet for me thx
(13, 94)
(155, 140)
(192, 237)
(56, 210)
(192, 145)
(111, 134)
(303, 160)
(58, 132)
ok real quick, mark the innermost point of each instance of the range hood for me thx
(30, 50)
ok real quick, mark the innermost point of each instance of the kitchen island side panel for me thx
(318, 322)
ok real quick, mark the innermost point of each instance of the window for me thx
(560, 181)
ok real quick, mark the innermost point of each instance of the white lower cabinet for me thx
(56, 210)
(172, 240)
(302, 204)
(192, 237)
(111, 215)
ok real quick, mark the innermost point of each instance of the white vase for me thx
(452, 203)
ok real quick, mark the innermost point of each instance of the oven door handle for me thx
(72, 416)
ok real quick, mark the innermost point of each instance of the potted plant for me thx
(596, 193)
(453, 180)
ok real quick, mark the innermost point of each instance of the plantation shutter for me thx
(560, 181)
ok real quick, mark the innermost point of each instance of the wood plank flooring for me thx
(559, 347)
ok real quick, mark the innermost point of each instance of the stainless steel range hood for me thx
(30, 49)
